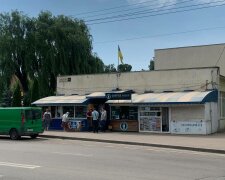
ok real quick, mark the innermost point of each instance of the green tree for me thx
(109, 68)
(35, 91)
(124, 68)
(14, 34)
(42, 48)
(16, 101)
(6, 100)
(152, 65)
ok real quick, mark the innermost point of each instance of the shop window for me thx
(53, 108)
(69, 109)
(150, 118)
(124, 112)
(80, 111)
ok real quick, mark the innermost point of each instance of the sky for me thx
(146, 25)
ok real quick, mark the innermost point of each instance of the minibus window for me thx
(32, 114)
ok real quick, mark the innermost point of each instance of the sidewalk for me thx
(214, 143)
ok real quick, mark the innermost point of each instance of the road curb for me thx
(216, 151)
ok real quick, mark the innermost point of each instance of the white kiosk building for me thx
(185, 94)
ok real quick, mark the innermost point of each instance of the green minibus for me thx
(21, 121)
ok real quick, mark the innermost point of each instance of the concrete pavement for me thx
(214, 143)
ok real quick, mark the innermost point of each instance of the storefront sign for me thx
(188, 127)
(65, 79)
(118, 96)
(123, 126)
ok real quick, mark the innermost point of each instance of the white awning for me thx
(60, 100)
(194, 97)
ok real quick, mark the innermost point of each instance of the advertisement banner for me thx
(188, 127)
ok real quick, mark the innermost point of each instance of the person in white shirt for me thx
(95, 116)
(47, 117)
(103, 119)
(65, 121)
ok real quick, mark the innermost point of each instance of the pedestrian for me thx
(65, 121)
(95, 116)
(103, 119)
(89, 119)
(47, 117)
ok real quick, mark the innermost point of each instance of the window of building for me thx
(69, 109)
(151, 119)
(124, 112)
(80, 111)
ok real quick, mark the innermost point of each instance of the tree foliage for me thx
(6, 100)
(152, 65)
(39, 49)
(16, 100)
(35, 91)
(124, 68)
(109, 68)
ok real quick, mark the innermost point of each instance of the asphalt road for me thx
(55, 159)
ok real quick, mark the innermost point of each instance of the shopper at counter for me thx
(95, 116)
(89, 119)
(103, 119)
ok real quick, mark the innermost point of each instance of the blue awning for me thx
(194, 97)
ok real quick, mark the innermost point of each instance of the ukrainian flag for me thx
(120, 55)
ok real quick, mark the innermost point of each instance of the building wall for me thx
(191, 57)
(140, 82)
(187, 113)
(189, 119)
(212, 117)
(222, 103)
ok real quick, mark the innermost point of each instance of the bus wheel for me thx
(33, 136)
(14, 135)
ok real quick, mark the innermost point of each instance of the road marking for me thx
(186, 152)
(26, 166)
(74, 154)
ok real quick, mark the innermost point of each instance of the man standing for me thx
(103, 119)
(47, 117)
(65, 121)
(95, 116)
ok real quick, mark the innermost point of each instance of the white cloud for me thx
(151, 4)
(161, 3)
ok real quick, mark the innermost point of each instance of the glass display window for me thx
(124, 112)
(69, 109)
(80, 111)
(150, 118)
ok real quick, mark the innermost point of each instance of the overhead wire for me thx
(115, 7)
(161, 35)
(160, 5)
(152, 15)
(152, 10)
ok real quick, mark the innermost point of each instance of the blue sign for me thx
(123, 126)
(118, 96)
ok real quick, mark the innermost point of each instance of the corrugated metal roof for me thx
(60, 100)
(96, 95)
(171, 98)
